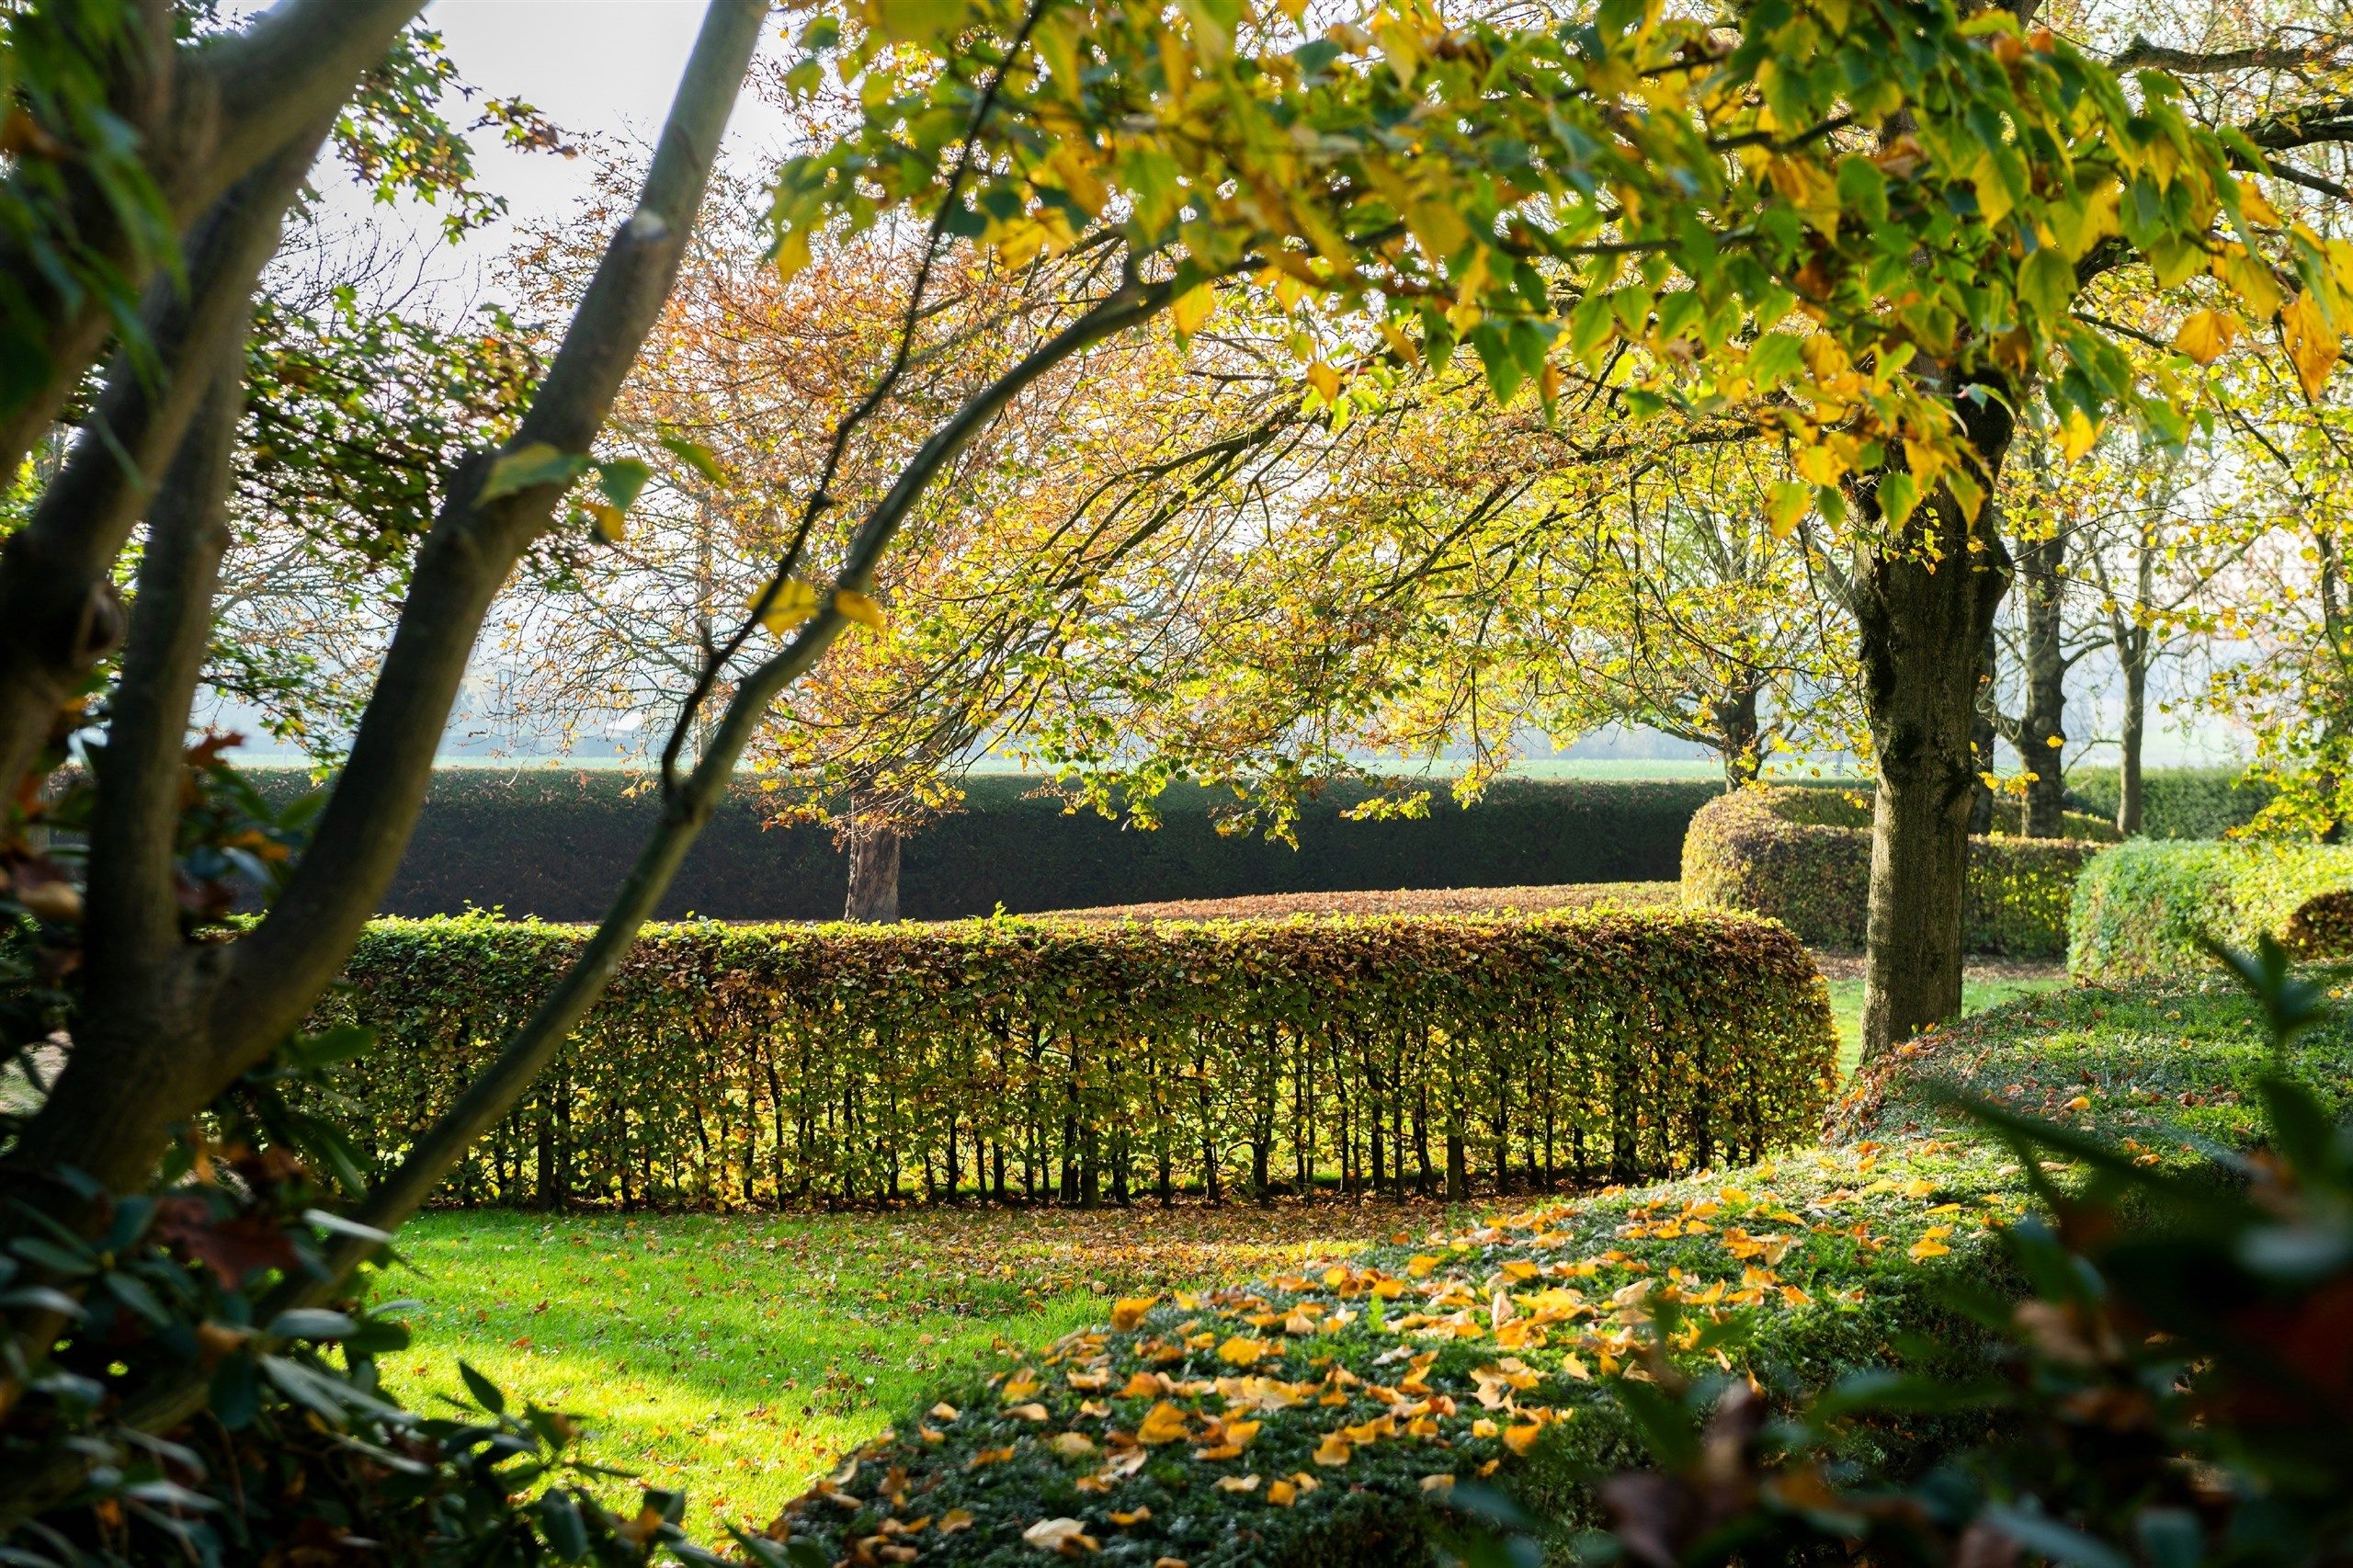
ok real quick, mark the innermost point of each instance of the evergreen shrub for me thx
(2143, 908)
(768, 1066)
(1803, 857)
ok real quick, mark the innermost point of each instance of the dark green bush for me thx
(1803, 856)
(741, 1064)
(2142, 909)
(554, 842)
(2176, 802)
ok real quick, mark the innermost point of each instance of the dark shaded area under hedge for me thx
(554, 843)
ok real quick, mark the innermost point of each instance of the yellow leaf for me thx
(1521, 1439)
(2076, 434)
(1191, 309)
(1126, 1520)
(1789, 499)
(1071, 1445)
(793, 603)
(612, 525)
(2311, 341)
(1819, 464)
(1325, 379)
(1922, 1251)
(1237, 1483)
(1019, 1386)
(859, 608)
(1128, 1311)
(1032, 1411)
(2081, 1102)
(1241, 1351)
(955, 1519)
(1334, 1451)
(1163, 1423)
(1282, 1494)
(1437, 1483)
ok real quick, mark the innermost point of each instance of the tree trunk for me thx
(2043, 727)
(1983, 734)
(2127, 768)
(873, 867)
(1924, 601)
(1739, 736)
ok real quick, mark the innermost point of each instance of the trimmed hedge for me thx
(2140, 908)
(555, 842)
(1803, 857)
(1327, 1415)
(2176, 803)
(773, 1065)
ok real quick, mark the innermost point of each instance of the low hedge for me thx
(1803, 857)
(2176, 803)
(555, 842)
(2141, 908)
(1328, 1415)
(768, 1065)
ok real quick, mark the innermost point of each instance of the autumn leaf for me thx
(2311, 342)
(1191, 310)
(1242, 1351)
(1067, 1537)
(1164, 1423)
(1334, 1451)
(1127, 1313)
(858, 607)
(1522, 1437)
(2206, 335)
(793, 603)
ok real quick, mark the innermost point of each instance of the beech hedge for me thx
(2176, 803)
(734, 1066)
(2142, 909)
(1803, 857)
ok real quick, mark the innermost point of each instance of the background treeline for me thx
(552, 842)
(770, 1066)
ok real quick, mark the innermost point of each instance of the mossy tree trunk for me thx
(1924, 597)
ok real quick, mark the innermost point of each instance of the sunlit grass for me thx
(739, 1356)
(1976, 996)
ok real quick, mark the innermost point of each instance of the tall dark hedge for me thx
(554, 843)
(2176, 802)
(1803, 857)
(784, 1066)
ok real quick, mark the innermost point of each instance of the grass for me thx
(739, 1356)
(1976, 997)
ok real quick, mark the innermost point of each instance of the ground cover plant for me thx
(1077, 1062)
(1324, 1413)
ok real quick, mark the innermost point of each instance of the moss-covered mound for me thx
(1326, 1415)
(1803, 857)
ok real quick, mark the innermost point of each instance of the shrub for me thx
(2176, 803)
(1330, 1414)
(2141, 908)
(1803, 857)
(554, 842)
(1068, 1062)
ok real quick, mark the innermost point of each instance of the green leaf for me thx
(526, 468)
(485, 1392)
(918, 21)
(696, 456)
(1899, 492)
(2047, 285)
(620, 480)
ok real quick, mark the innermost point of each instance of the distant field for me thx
(1402, 901)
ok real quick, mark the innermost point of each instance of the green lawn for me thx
(739, 1356)
(1976, 996)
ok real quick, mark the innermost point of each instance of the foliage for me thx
(1400, 901)
(2179, 802)
(762, 1064)
(1482, 1353)
(550, 841)
(2173, 1390)
(2147, 909)
(1803, 856)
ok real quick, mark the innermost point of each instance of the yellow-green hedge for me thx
(1803, 857)
(2141, 908)
(765, 1065)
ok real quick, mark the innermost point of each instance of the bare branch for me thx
(2141, 54)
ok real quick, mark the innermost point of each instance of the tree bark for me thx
(1740, 736)
(1924, 601)
(874, 846)
(2042, 726)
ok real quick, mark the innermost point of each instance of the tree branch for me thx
(274, 975)
(2141, 54)
(59, 615)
